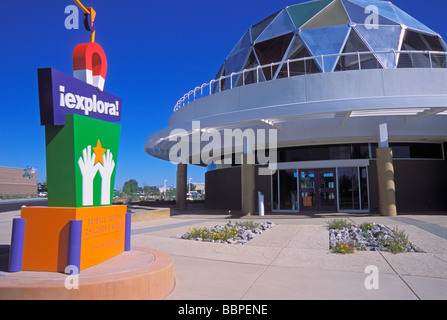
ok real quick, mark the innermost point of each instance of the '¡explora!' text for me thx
(78, 102)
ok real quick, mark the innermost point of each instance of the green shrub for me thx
(365, 226)
(366, 235)
(247, 224)
(339, 224)
(398, 242)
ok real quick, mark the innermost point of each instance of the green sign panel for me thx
(81, 162)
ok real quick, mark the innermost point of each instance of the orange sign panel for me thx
(47, 236)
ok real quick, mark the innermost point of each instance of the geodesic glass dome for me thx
(331, 27)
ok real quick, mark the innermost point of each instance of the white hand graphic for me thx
(88, 170)
(106, 172)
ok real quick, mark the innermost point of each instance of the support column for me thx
(248, 195)
(385, 175)
(182, 174)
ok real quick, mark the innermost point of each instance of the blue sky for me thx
(156, 52)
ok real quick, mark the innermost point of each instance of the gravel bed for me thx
(378, 237)
(242, 232)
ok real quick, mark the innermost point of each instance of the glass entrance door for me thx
(318, 190)
(307, 190)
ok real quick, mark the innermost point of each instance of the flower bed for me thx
(231, 233)
(345, 237)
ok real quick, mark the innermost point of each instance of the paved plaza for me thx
(292, 260)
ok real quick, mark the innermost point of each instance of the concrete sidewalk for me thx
(293, 261)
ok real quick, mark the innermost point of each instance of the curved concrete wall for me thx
(311, 109)
(322, 92)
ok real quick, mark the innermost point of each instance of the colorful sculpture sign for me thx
(80, 227)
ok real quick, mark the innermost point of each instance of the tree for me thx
(171, 194)
(151, 190)
(130, 187)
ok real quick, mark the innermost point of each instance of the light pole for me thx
(189, 186)
(164, 189)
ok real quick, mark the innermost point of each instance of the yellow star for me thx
(99, 152)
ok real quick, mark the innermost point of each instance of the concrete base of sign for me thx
(139, 274)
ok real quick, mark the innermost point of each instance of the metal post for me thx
(260, 203)
(288, 68)
(127, 237)
(74, 244)
(395, 59)
(358, 59)
(182, 173)
(17, 243)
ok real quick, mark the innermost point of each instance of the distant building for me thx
(200, 187)
(15, 181)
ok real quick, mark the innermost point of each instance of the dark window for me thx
(348, 189)
(297, 50)
(360, 151)
(324, 152)
(364, 188)
(421, 42)
(271, 51)
(413, 150)
(251, 76)
(351, 62)
(288, 190)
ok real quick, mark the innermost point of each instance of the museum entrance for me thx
(321, 190)
(305, 190)
(318, 190)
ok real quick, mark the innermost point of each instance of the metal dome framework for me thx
(331, 27)
(327, 36)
